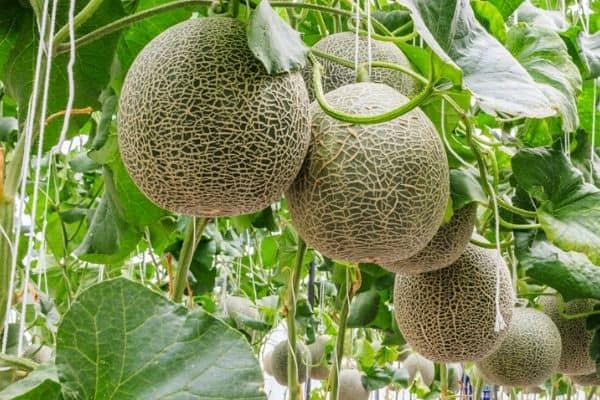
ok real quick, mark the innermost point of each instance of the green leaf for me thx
(570, 208)
(544, 55)
(539, 17)
(41, 383)
(120, 340)
(506, 7)
(9, 27)
(452, 31)
(363, 309)
(585, 107)
(393, 19)
(275, 43)
(91, 77)
(491, 19)
(570, 273)
(589, 46)
(465, 189)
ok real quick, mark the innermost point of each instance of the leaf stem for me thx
(403, 27)
(339, 342)
(86, 12)
(193, 234)
(443, 381)
(19, 362)
(516, 210)
(290, 304)
(363, 119)
(510, 225)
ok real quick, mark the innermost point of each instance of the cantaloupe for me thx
(576, 339)
(343, 45)
(268, 363)
(416, 363)
(350, 385)
(592, 379)
(370, 193)
(528, 355)
(320, 367)
(279, 362)
(241, 308)
(203, 129)
(38, 353)
(446, 246)
(449, 315)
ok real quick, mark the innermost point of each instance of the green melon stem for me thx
(82, 16)
(560, 305)
(339, 343)
(363, 119)
(516, 210)
(591, 393)
(443, 381)
(478, 389)
(290, 303)
(402, 28)
(26, 364)
(193, 234)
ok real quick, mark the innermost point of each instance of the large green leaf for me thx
(273, 42)
(571, 273)
(91, 69)
(489, 16)
(41, 384)
(490, 72)
(544, 55)
(506, 7)
(569, 210)
(549, 19)
(120, 340)
(465, 189)
(589, 47)
(585, 108)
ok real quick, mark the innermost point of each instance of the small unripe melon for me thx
(320, 368)
(370, 193)
(446, 246)
(279, 360)
(204, 129)
(592, 379)
(343, 45)
(449, 315)
(268, 363)
(238, 308)
(417, 363)
(576, 339)
(350, 385)
(38, 353)
(528, 355)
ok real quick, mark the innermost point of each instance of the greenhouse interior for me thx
(210, 200)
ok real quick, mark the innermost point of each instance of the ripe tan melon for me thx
(592, 379)
(342, 45)
(528, 355)
(279, 362)
(203, 129)
(449, 315)
(446, 246)
(320, 368)
(370, 193)
(416, 363)
(576, 339)
(350, 385)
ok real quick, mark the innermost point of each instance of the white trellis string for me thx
(36, 181)
(356, 35)
(31, 111)
(369, 28)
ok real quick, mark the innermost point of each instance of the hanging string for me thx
(356, 35)
(369, 28)
(28, 132)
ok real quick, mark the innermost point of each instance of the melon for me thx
(592, 379)
(343, 45)
(416, 363)
(446, 246)
(320, 367)
(449, 315)
(203, 129)
(576, 339)
(279, 362)
(350, 385)
(241, 308)
(529, 354)
(370, 193)
(268, 363)
(38, 353)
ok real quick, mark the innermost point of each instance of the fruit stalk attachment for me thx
(193, 234)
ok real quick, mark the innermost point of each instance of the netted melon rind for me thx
(417, 363)
(446, 246)
(449, 315)
(279, 360)
(203, 129)
(343, 45)
(370, 193)
(320, 370)
(528, 355)
(576, 339)
(586, 380)
(350, 385)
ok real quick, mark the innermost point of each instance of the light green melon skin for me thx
(279, 360)
(529, 354)
(417, 363)
(576, 339)
(343, 45)
(350, 385)
(320, 370)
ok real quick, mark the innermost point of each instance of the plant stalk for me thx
(339, 344)
(193, 234)
(443, 381)
(86, 13)
(290, 304)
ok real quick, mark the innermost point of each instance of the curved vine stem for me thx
(443, 381)
(516, 210)
(86, 13)
(290, 304)
(374, 64)
(510, 225)
(193, 234)
(560, 305)
(488, 245)
(364, 119)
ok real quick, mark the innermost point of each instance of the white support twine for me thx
(28, 132)
(356, 35)
(369, 28)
